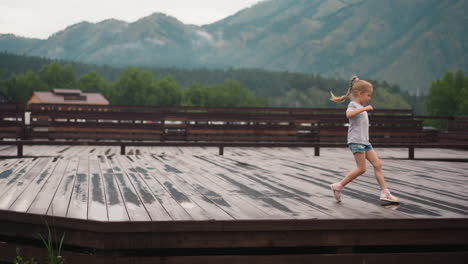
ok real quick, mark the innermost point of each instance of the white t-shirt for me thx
(358, 130)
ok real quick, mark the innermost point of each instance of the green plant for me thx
(19, 259)
(53, 248)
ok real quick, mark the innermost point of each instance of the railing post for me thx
(317, 151)
(411, 153)
(221, 150)
(20, 150)
(26, 125)
(122, 149)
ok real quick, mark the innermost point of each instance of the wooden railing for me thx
(144, 125)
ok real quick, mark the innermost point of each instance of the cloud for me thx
(205, 35)
(40, 19)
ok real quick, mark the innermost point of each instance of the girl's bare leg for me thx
(372, 157)
(360, 158)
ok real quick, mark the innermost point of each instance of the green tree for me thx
(285, 89)
(93, 82)
(461, 85)
(463, 99)
(448, 95)
(133, 87)
(196, 95)
(388, 99)
(232, 94)
(3, 84)
(21, 87)
(55, 75)
(165, 92)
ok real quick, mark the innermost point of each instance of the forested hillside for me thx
(23, 74)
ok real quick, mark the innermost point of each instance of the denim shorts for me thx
(359, 147)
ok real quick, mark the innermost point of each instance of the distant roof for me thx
(70, 96)
(67, 91)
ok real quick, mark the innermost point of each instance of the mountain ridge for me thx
(405, 42)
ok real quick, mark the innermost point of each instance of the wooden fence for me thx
(208, 126)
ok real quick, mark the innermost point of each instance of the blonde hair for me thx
(355, 86)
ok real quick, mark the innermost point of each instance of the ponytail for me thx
(334, 98)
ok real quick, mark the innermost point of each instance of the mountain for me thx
(409, 43)
(406, 42)
(154, 40)
(19, 45)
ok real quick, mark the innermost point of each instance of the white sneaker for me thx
(336, 192)
(388, 197)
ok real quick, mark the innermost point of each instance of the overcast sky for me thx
(41, 18)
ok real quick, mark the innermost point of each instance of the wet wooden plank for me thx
(116, 209)
(136, 175)
(174, 209)
(97, 209)
(426, 189)
(278, 201)
(42, 202)
(135, 209)
(416, 204)
(249, 208)
(228, 202)
(366, 188)
(14, 171)
(365, 201)
(7, 163)
(436, 174)
(191, 207)
(185, 193)
(78, 207)
(76, 150)
(61, 200)
(107, 151)
(283, 180)
(28, 196)
(8, 151)
(17, 187)
(302, 202)
(294, 178)
(274, 202)
(312, 178)
(35, 151)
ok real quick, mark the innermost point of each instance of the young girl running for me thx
(360, 93)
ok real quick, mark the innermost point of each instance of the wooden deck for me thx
(89, 184)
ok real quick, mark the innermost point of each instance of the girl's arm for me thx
(356, 112)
